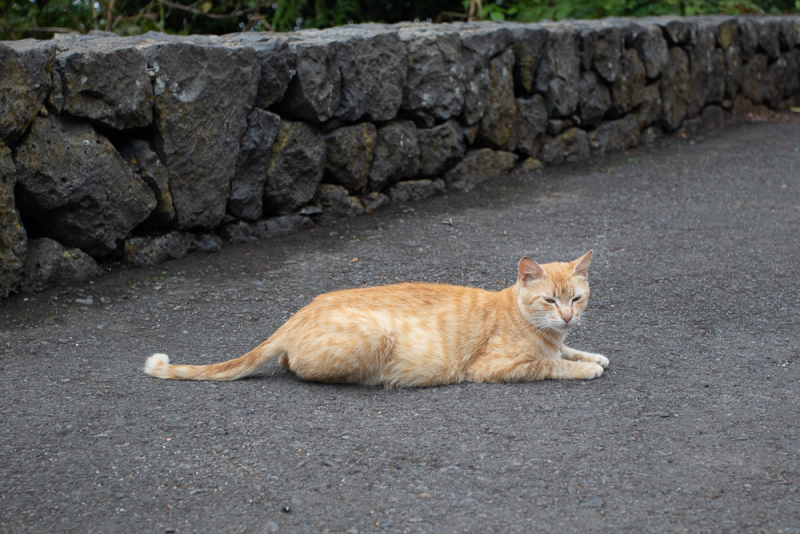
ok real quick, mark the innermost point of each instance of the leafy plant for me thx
(44, 18)
(537, 10)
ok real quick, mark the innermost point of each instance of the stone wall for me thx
(144, 149)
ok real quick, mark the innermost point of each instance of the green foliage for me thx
(537, 10)
(43, 18)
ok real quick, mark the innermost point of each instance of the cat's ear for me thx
(580, 267)
(529, 271)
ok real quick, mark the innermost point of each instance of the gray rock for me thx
(649, 42)
(576, 145)
(588, 39)
(552, 150)
(748, 37)
(440, 148)
(596, 502)
(335, 200)
(626, 92)
(374, 201)
(307, 211)
(571, 146)
(281, 226)
(476, 98)
(769, 33)
(727, 32)
(790, 33)
(416, 190)
(149, 251)
(716, 91)
(278, 64)
(104, 81)
(733, 70)
(203, 95)
(314, 92)
(480, 42)
(435, 77)
(650, 134)
(604, 47)
(237, 232)
(245, 199)
(777, 83)
(77, 188)
(742, 107)
(205, 243)
(153, 37)
(691, 125)
(148, 167)
(498, 118)
(792, 76)
(556, 126)
(558, 75)
(350, 153)
(25, 80)
(615, 136)
(470, 133)
(530, 122)
(396, 154)
(674, 89)
(13, 240)
(422, 119)
(650, 109)
(754, 73)
(713, 117)
(529, 41)
(373, 64)
(49, 263)
(296, 166)
(479, 166)
(595, 99)
(532, 164)
(675, 29)
(699, 52)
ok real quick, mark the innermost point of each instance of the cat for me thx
(419, 334)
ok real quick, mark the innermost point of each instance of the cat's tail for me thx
(158, 366)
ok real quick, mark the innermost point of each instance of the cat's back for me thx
(409, 296)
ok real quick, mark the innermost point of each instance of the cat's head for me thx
(553, 296)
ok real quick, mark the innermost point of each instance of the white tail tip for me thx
(154, 362)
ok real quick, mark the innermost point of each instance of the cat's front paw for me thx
(601, 360)
(591, 357)
(592, 370)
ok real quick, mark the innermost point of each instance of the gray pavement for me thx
(693, 428)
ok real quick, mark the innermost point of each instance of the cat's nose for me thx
(567, 318)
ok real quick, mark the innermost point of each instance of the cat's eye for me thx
(576, 299)
(550, 301)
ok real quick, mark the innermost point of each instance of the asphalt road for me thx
(693, 428)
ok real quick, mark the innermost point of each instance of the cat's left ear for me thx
(580, 267)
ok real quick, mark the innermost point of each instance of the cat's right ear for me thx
(529, 271)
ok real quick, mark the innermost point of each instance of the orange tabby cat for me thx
(410, 335)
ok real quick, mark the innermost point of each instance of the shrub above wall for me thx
(143, 149)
